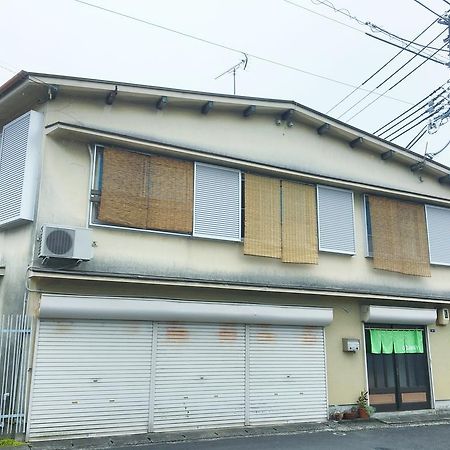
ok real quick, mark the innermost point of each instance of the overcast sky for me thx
(68, 38)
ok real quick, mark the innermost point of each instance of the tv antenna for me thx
(242, 64)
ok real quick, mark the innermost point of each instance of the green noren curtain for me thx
(396, 341)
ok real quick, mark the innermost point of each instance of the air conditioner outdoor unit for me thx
(66, 242)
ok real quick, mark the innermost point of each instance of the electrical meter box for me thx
(350, 345)
(443, 316)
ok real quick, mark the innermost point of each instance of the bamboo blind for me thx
(399, 235)
(299, 223)
(262, 216)
(124, 191)
(171, 194)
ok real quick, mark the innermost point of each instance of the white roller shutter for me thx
(199, 376)
(91, 378)
(217, 202)
(287, 374)
(438, 225)
(19, 162)
(336, 220)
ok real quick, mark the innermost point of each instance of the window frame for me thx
(322, 249)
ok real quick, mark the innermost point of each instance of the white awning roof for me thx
(74, 307)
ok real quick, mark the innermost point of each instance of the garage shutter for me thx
(199, 376)
(286, 375)
(91, 378)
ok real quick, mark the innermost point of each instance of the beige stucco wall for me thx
(64, 201)
(256, 138)
(440, 361)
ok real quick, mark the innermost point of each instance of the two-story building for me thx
(201, 260)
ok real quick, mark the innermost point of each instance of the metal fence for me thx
(15, 336)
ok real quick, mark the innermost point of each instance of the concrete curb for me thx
(111, 442)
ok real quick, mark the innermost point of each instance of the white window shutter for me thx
(438, 225)
(217, 202)
(336, 220)
(19, 162)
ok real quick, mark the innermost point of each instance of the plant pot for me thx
(350, 415)
(363, 414)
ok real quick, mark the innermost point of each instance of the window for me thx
(145, 191)
(438, 225)
(137, 190)
(399, 236)
(281, 220)
(368, 225)
(19, 162)
(217, 202)
(336, 220)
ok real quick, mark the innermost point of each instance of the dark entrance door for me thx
(397, 381)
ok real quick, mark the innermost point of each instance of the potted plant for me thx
(351, 414)
(364, 409)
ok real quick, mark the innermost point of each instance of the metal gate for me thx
(15, 334)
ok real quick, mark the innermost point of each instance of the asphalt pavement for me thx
(429, 436)
(429, 429)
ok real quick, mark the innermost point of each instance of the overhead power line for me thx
(396, 121)
(429, 9)
(322, 15)
(417, 138)
(404, 131)
(392, 75)
(392, 87)
(404, 39)
(375, 28)
(432, 155)
(377, 71)
(407, 49)
(225, 47)
(373, 75)
(342, 11)
(402, 128)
